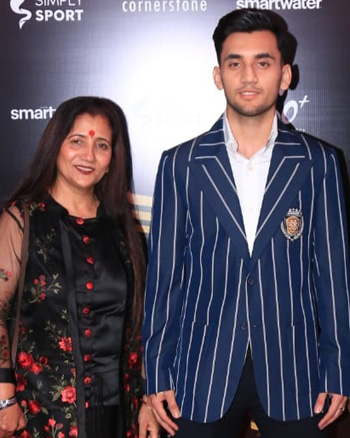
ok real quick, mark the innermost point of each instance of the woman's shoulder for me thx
(13, 214)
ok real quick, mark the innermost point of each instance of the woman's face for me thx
(85, 154)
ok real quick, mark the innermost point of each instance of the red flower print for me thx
(42, 279)
(73, 431)
(36, 368)
(25, 434)
(42, 296)
(59, 426)
(24, 359)
(36, 281)
(51, 422)
(135, 402)
(34, 407)
(61, 435)
(41, 205)
(132, 359)
(43, 360)
(66, 344)
(21, 383)
(24, 403)
(5, 275)
(68, 394)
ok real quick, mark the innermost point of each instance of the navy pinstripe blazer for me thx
(207, 299)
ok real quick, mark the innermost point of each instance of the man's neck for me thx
(251, 133)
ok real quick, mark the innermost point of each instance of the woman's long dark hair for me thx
(113, 188)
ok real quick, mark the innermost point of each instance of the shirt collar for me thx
(232, 144)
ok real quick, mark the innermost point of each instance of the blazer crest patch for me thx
(293, 224)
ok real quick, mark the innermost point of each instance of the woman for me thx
(78, 364)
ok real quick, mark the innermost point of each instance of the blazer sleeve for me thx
(331, 276)
(164, 296)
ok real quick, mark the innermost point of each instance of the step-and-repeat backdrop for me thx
(155, 59)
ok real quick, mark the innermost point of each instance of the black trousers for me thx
(104, 422)
(246, 400)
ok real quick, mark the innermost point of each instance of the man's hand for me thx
(336, 408)
(156, 402)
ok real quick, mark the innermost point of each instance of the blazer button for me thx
(244, 326)
(250, 280)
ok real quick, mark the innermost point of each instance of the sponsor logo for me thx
(48, 10)
(15, 5)
(293, 224)
(136, 6)
(42, 113)
(291, 109)
(279, 4)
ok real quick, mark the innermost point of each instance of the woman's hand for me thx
(148, 425)
(11, 419)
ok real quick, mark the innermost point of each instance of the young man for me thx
(247, 301)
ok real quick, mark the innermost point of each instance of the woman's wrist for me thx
(7, 402)
(7, 390)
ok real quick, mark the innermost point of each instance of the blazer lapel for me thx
(211, 168)
(289, 167)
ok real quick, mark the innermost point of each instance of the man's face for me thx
(251, 73)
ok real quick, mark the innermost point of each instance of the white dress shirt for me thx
(250, 175)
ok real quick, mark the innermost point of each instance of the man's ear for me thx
(217, 78)
(286, 78)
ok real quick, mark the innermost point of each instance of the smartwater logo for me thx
(279, 4)
(43, 113)
(48, 10)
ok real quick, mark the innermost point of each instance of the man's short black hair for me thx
(250, 20)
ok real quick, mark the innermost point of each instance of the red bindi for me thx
(91, 133)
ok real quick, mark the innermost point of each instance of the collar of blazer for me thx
(290, 165)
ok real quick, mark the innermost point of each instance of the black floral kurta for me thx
(75, 348)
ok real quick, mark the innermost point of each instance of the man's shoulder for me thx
(188, 147)
(314, 146)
